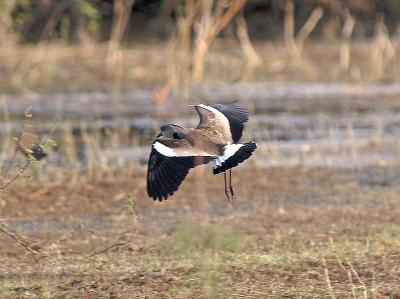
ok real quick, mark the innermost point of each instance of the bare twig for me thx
(116, 245)
(20, 240)
(17, 139)
(17, 148)
(29, 154)
(17, 176)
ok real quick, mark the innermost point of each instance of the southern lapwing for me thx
(176, 149)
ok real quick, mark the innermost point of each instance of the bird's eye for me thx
(176, 136)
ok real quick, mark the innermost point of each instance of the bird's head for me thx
(172, 131)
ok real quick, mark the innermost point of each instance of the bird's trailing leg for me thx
(227, 191)
(230, 184)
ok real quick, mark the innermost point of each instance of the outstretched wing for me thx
(237, 115)
(168, 166)
(228, 119)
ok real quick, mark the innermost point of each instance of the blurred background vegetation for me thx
(90, 44)
(74, 20)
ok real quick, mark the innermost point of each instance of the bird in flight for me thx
(176, 149)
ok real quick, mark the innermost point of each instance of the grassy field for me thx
(316, 213)
(292, 233)
(84, 228)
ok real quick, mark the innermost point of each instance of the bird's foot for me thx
(229, 196)
(232, 193)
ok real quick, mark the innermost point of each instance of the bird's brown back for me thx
(206, 140)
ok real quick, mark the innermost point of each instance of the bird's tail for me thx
(233, 155)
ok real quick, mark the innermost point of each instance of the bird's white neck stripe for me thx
(164, 150)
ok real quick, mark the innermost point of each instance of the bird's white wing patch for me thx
(229, 151)
(164, 150)
(217, 162)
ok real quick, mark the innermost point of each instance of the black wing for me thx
(241, 155)
(236, 115)
(165, 174)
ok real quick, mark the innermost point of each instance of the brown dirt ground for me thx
(292, 233)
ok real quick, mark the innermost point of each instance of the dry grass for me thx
(57, 67)
(326, 235)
